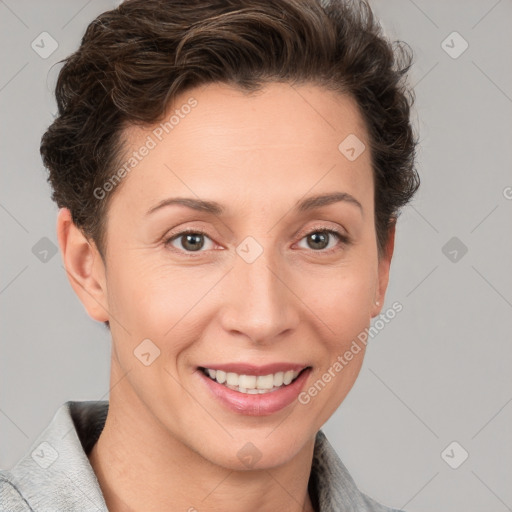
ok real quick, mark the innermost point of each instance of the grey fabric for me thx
(55, 474)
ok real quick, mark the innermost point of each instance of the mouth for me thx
(254, 382)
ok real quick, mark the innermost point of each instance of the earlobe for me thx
(84, 267)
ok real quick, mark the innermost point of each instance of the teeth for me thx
(232, 379)
(247, 381)
(288, 377)
(278, 379)
(252, 384)
(265, 382)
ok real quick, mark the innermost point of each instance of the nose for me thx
(260, 304)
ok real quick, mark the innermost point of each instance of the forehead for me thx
(283, 138)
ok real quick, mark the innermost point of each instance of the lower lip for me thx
(256, 405)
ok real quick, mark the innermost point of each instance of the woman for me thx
(229, 175)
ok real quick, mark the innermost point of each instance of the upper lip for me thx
(251, 369)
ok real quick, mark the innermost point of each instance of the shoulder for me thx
(11, 499)
(39, 480)
(333, 484)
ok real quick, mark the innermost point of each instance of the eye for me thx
(191, 240)
(319, 240)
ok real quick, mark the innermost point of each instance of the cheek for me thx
(343, 300)
(159, 303)
(151, 308)
(154, 300)
(148, 297)
(343, 311)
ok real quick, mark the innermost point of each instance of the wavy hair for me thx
(135, 59)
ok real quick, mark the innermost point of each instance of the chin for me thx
(256, 449)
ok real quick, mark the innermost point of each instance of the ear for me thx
(84, 267)
(383, 270)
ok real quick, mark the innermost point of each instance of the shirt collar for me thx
(56, 473)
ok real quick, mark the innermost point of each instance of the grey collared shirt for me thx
(55, 475)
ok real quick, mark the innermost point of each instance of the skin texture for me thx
(167, 443)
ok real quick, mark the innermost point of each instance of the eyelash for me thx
(342, 238)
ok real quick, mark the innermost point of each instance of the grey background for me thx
(439, 372)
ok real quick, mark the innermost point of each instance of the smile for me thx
(252, 390)
(252, 384)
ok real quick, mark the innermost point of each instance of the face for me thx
(259, 286)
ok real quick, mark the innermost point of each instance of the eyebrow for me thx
(217, 209)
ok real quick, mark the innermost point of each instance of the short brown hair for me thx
(137, 58)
